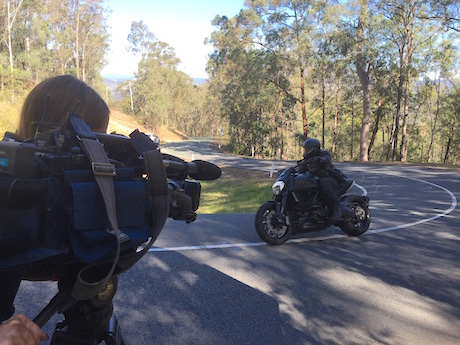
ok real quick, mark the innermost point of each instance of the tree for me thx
(53, 37)
(91, 38)
(255, 91)
(445, 12)
(357, 41)
(162, 95)
(288, 28)
(12, 10)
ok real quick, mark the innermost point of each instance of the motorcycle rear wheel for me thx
(268, 227)
(359, 225)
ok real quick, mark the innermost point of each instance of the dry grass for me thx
(124, 124)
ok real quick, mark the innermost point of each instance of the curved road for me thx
(215, 282)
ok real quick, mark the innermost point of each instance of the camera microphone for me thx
(197, 169)
(176, 168)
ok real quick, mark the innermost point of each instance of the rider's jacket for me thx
(318, 162)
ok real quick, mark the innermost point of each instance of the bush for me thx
(9, 116)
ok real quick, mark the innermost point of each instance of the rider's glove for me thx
(301, 168)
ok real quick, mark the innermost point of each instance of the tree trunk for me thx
(434, 125)
(10, 22)
(404, 137)
(302, 103)
(365, 124)
(394, 155)
(449, 142)
(408, 65)
(362, 68)
(352, 128)
(77, 48)
(378, 116)
(336, 120)
(323, 106)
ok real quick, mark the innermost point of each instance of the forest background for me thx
(371, 79)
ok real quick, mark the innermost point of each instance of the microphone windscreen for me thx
(202, 170)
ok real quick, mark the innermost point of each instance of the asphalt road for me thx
(215, 282)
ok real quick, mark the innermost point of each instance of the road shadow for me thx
(180, 301)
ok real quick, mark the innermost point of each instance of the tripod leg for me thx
(53, 307)
(114, 336)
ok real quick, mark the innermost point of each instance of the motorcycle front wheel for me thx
(268, 226)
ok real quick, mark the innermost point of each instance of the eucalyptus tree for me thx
(287, 28)
(358, 41)
(91, 38)
(49, 37)
(450, 126)
(443, 63)
(78, 36)
(12, 10)
(16, 50)
(409, 35)
(212, 108)
(326, 66)
(162, 94)
(447, 12)
(253, 85)
(238, 66)
(24, 42)
(154, 79)
(31, 54)
(150, 90)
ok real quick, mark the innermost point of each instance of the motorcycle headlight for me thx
(277, 187)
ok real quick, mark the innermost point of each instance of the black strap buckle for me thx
(103, 169)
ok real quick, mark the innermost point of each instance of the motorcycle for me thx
(298, 206)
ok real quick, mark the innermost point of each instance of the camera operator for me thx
(49, 101)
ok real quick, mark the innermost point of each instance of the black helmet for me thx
(311, 144)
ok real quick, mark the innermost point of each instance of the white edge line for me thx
(452, 207)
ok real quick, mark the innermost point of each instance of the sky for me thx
(183, 24)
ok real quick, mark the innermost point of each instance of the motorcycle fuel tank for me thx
(304, 181)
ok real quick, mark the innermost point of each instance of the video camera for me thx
(32, 170)
(82, 207)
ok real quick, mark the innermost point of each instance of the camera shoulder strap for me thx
(158, 194)
(89, 280)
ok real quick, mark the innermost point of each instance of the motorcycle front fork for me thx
(279, 209)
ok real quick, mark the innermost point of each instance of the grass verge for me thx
(237, 190)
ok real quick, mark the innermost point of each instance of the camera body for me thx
(16, 158)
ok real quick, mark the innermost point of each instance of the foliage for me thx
(161, 94)
(255, 93)
(373, 79)
(44, 38)
(362, 63)
(9, 119)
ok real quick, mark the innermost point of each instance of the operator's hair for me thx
(64, 92)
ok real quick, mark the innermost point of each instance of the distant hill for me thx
(199, 81)
(112, 81)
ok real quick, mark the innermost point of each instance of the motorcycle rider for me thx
(318, 162)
